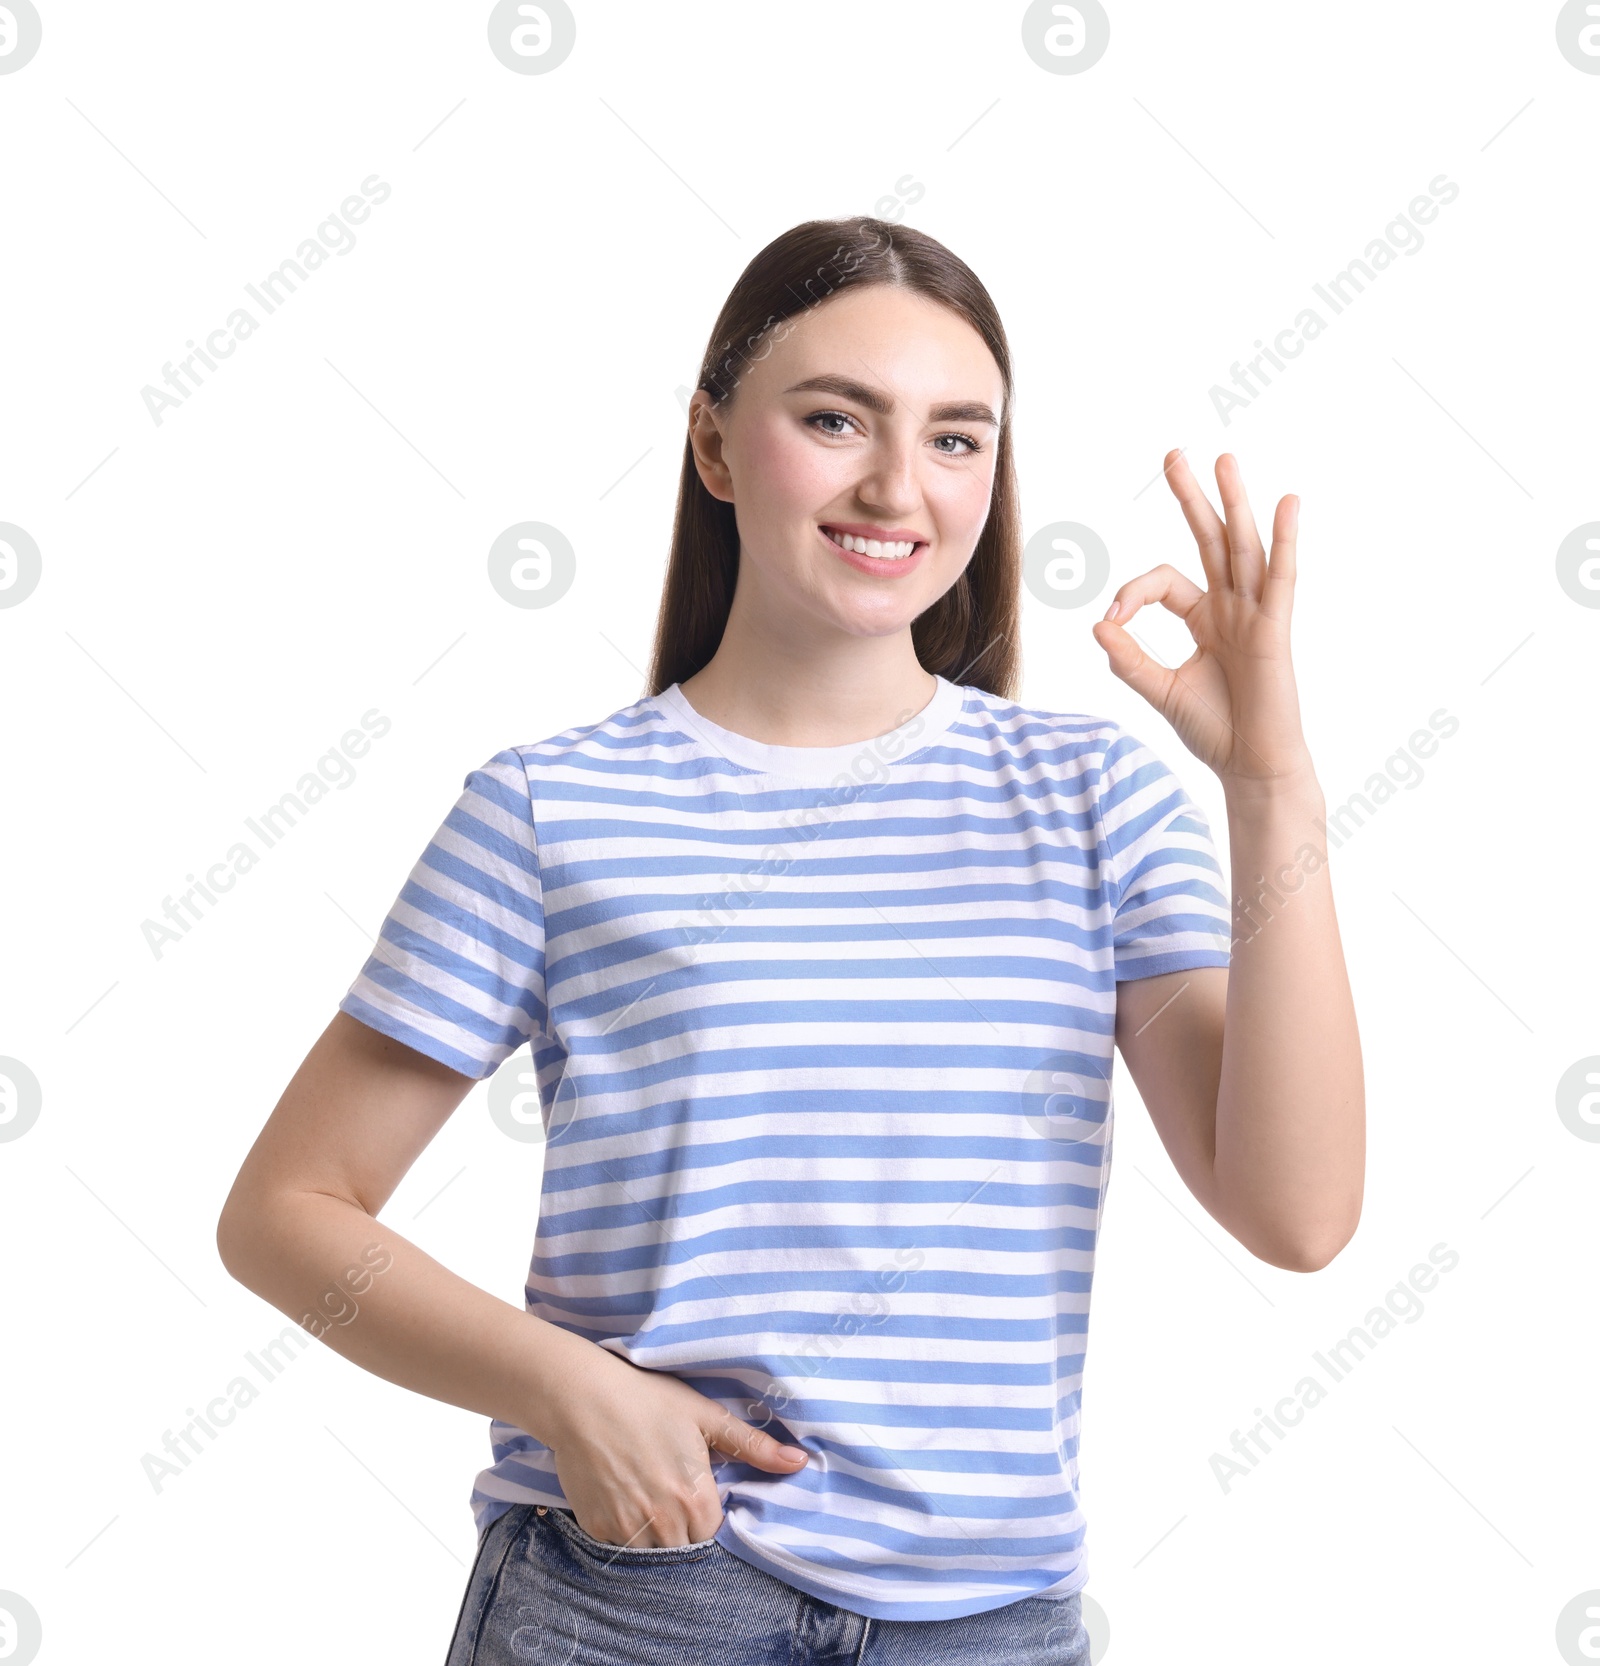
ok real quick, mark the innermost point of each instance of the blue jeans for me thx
(544, 1593)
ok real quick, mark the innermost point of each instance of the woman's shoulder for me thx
(1012, 724)
(629, 730)
(1096, 753)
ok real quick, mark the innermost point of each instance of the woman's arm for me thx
(300, 1228)
(1253, 1074)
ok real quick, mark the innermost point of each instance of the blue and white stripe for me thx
(825, 1057)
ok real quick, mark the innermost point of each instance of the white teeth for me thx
(876, 548)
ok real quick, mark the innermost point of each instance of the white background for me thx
(225, 593)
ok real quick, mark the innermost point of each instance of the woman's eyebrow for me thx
(846, 387)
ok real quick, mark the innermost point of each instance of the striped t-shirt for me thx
(823, 1046)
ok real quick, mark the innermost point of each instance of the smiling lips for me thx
(890, 544)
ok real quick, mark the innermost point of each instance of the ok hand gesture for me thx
(1233, 701)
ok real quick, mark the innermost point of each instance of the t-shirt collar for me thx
(821, 765)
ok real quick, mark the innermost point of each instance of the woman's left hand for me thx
(1233, 701)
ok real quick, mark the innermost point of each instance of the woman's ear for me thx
(705, 437)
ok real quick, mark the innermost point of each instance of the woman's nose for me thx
(891, 479)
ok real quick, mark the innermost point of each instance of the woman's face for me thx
(873, 418)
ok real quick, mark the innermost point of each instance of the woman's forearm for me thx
(388, 1306)
(1291, 1126)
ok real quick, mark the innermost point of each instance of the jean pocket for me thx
(566, 1524)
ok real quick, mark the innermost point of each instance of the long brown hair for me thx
(970, 634)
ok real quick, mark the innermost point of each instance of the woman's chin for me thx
(871, 626)
(882, 615)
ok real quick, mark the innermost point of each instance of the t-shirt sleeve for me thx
(457, 971)
(1171, 897)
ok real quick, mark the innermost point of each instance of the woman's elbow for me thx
(1313, 1254)
(239, 1234)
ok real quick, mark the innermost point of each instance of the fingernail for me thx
(1111, 612)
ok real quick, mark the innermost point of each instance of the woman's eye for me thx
(965, 445)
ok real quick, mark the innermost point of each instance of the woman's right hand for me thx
(633, 1453)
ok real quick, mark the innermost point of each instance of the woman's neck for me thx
(784, 691)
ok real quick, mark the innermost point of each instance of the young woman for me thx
(820, 950)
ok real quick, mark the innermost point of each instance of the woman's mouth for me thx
(885, 555)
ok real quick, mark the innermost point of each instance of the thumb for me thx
(742, 1440)
(1132, 664)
